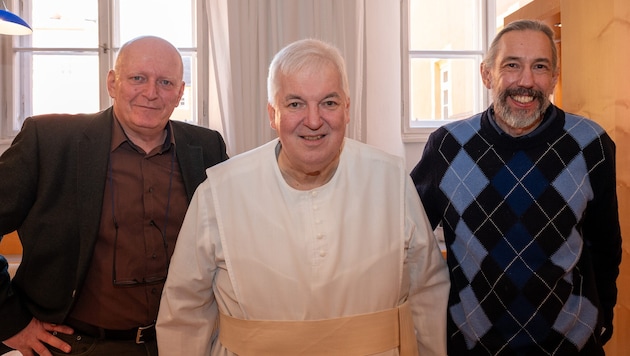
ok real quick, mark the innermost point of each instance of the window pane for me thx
(65, 23)
(55, 83)
(187, 110)
(444, 88)
(454, 25)
(65, 83)
(173, 21)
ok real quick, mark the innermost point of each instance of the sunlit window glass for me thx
(58, 64)
(445, 25)
(65, 24)
(173, 23)
(443, 88)
(65, 83)
(445, 50)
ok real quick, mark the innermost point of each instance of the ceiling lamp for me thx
(12, 24)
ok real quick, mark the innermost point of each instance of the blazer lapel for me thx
(92, 148)
(190, 159)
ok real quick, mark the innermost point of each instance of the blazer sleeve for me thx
(18, 172)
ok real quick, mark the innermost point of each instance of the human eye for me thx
(295, 104)
(165, 82)
(137, 78)
(541, 67)
(330, 104)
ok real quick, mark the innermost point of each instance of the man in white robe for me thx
(310, 244)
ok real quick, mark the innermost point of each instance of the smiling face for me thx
(146, 86)
(521, 79)
(310, 115)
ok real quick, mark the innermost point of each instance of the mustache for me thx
(536, 94)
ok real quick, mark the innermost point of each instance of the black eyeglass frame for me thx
(145, 280)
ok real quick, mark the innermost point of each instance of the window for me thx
(61, 67)
(443, 45)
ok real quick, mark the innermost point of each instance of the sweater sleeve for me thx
(425, 178)
(601, 230)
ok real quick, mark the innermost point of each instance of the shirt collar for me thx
(119, 137)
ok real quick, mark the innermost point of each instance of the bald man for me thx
(98, 201)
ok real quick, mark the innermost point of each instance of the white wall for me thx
(383, 81)
(4, 144)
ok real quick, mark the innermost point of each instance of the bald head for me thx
(150, 45)
(146, 85)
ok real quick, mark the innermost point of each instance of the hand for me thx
(32, 339)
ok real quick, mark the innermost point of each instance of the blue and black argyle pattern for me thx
(511, 211)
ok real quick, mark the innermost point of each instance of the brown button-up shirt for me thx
(144, 204)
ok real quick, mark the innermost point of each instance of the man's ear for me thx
(271, 111)
(486, 76)
(111, 83)
(555, 78)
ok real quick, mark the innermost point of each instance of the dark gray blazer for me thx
(51, 190)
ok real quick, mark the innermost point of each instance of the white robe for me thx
(255, 248)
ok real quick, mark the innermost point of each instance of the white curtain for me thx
(245, 35)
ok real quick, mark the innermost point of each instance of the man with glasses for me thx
(98, 201)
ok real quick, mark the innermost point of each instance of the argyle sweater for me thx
(532, 234)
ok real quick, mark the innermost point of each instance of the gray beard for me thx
(519, 119)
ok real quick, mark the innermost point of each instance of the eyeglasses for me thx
(145, 280)
(162, 232)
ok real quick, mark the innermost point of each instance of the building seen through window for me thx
(446, 43)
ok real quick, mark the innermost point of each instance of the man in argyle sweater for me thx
(527, 199)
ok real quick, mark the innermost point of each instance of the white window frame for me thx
(108, 24)
(446, 101)
(421, 133)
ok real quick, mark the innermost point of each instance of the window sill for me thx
(417, 136)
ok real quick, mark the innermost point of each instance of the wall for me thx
(4, 144)
(383, 83)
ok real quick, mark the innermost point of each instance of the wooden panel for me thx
(10, 245)
(547, 11)
(596, 83)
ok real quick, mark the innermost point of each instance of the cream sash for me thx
(363, 334)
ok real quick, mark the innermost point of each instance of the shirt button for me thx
(320, 236)
(322, 253)
(314, 194)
